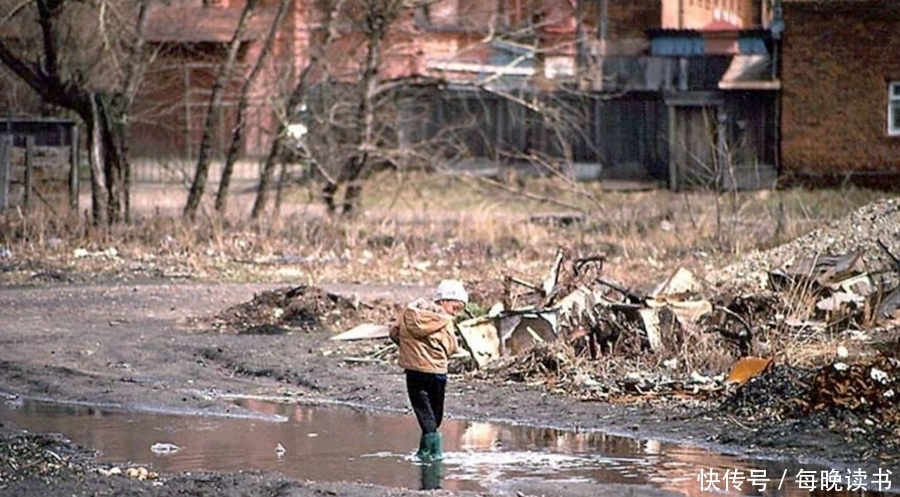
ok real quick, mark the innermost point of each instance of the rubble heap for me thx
(772, 395)
(855, 400)
(858, 232)
(43, 455)
(867, 390)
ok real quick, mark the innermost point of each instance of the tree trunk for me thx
(378, 19)
(103, 118)
(279, 190)
(131, 83)
(112, 159)
(95, 148)
(202, 173)
(237, 133)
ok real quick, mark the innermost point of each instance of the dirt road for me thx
(136, 344)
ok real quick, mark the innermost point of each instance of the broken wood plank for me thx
(365, 331)
(550, 282)
(482, 339)
(650, 318)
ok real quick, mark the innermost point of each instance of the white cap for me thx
(451, 290)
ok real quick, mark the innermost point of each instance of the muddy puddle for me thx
(330, 443)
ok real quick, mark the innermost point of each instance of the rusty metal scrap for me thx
(841, 289)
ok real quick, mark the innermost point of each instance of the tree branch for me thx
(26, 71)
(48, 10)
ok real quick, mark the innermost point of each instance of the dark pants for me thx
(426, 394)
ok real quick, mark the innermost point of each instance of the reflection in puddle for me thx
(333, 444)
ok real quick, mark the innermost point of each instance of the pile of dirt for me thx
(859, 231)
(776, 394)
(301, 308)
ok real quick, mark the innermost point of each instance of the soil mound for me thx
(301, 308)
(859, 231)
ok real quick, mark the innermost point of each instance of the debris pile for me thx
(829, 291)
(775, 394)
(855, 400)
(676, 341)
(23, 455)
(557, 368)
(577, 307)
(301, 308)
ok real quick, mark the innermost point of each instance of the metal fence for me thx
(624, 135)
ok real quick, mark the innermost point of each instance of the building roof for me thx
(203, 24)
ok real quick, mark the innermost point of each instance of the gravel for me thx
(858, 231)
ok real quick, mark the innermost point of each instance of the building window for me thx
(894, 108)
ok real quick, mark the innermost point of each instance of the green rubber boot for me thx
(422, 453)
(433, 446)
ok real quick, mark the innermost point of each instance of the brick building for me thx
(699, 14)
(841, 88)
(506, 42)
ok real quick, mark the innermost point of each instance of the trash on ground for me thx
(160, 448)
(747, 368)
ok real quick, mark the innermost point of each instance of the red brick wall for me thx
(837, 60)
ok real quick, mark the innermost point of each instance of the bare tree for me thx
(330, 11)
(237, 132)
(84, 57)
(374, 21)
(201, 174)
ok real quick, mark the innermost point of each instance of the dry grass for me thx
(416, 227)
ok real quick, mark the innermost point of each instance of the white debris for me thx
(585, 380)
(5, 253)
(699, 378)
(671, 363)
(840, 366)
(842, 352)
(110, 253)
(113, 471)
(164, 448)
(889, 394)
(879, 376)
(280, 450)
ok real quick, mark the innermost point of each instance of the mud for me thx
(143, 345)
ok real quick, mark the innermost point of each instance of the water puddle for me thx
(343, 444)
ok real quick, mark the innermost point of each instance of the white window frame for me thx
(893, 109)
